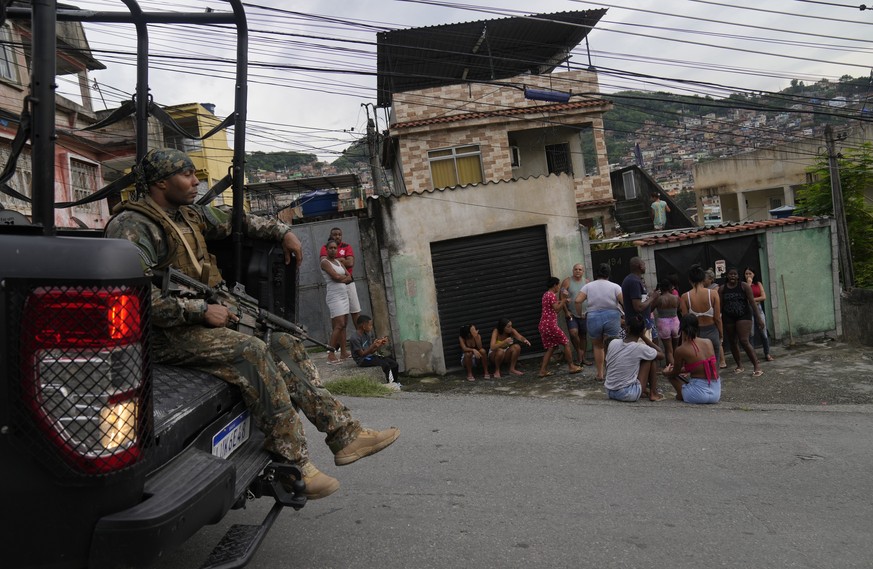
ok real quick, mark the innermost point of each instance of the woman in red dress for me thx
(551, 334)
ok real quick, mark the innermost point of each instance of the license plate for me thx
(232, 436)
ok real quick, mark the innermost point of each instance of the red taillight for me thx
(69, 317)
(83, 372)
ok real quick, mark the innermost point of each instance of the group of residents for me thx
(630, 329)
(505, 346)
(634, 333)
(274, 373)
(691, 344)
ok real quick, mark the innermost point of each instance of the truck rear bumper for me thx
(194, 490)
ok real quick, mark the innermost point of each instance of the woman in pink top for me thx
(695, 356)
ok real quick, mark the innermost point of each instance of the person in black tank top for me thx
(737, 302)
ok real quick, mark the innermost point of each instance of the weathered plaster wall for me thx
(801, 272)
(408, 224)
(772, 167)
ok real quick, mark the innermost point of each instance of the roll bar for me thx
(44, 15)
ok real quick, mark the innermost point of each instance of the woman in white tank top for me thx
(703, 303)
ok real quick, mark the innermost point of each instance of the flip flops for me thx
(758, 373)
(547, 374)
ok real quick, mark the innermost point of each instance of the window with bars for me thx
(558, 159)
(456, 166)
(8, 67)
(83, 180)
(21, 181)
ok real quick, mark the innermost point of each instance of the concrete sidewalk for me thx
(827, 375)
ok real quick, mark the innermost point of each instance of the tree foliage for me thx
(856, 179)
(277, 161)
(353, 155)
(686, 199)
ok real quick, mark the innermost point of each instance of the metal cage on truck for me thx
(109, 460)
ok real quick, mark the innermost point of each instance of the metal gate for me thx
(738, 251)
(484, 278)
(312, 307)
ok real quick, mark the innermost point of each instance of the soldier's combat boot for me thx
(367, 442)
(318, 484)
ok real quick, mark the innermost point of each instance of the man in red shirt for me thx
(346, 256)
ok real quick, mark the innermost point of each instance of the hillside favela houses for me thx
(496, 147)
(79, 153)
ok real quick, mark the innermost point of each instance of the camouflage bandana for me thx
(161, 163)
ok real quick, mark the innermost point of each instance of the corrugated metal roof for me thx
(485, 50)
(560, 107)
(303, 185)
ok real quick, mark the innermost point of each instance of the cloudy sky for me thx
(313, 62)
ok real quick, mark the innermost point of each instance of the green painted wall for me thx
(803, 260)
(414, 303)
(565, 251)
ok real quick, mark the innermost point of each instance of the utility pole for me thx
(372, 143)
(839, 213)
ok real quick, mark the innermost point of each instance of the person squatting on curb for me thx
(365, 349)
(276, 379)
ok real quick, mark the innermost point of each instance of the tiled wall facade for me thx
(492, 133)
(493, 144)
(464, 98)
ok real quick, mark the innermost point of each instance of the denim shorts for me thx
(574, 323)
(630, 393)
(604, 323)
(701, 391)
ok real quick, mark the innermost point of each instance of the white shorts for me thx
(354, 303)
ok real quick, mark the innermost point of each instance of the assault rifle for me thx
(251, 318)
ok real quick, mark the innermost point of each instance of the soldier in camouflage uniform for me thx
(275, 379)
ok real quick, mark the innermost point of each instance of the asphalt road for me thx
(494, 481)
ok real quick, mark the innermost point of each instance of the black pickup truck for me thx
(109, 460)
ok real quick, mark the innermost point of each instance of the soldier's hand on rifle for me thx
(291, 244)
(218, 316)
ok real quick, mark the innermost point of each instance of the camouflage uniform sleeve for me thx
(150, 241)
(170, 311)
(142, 232)
(217, 223)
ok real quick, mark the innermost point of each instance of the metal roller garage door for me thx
(483, 278)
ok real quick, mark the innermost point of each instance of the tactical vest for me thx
(177, 253)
